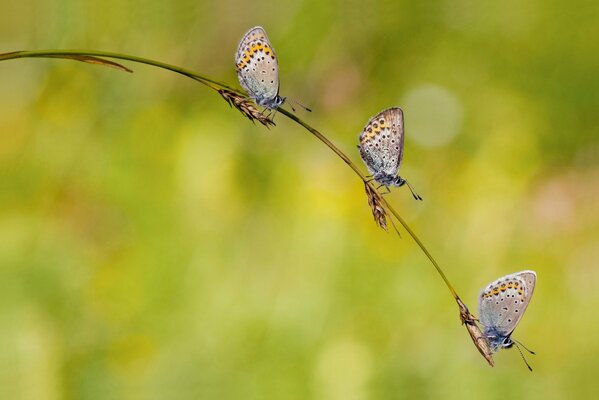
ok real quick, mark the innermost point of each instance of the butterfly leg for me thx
(271, 113)
(386, 187)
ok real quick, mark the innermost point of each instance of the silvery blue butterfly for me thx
(258, 69)
(501, 305)
(381, 148)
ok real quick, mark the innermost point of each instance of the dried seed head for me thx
(245, 106)
(479, 340)
(378, 211)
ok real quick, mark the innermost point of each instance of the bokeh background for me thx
(154, 244)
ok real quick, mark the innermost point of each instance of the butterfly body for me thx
(258, 70)
(501, 306)
(388, 180)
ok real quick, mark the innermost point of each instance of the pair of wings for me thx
(381, 142)
(257, 65)
(502, 303)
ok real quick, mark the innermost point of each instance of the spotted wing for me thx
(502, 303)
(381, 142)
(257, 65)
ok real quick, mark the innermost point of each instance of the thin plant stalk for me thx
(70, 54)
(353, 166)
(98, 57)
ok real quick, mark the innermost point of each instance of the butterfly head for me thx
(271, 103)
(399, 181)
(507, 342)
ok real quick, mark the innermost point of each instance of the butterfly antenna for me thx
(416, 195)
(299, 104)
(522, 355)
(525, 348)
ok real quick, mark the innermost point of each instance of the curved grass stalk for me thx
(96, 57)
(390, 208)
(465, 316)
(239, 99)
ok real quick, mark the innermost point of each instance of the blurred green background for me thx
(154, 244)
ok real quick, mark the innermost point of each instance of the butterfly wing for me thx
(257, 66)
(381, 142)
(503, 302)
(529, 279)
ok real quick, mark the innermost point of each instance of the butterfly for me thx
(258, 69)
(500, 307)
(381, 148)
